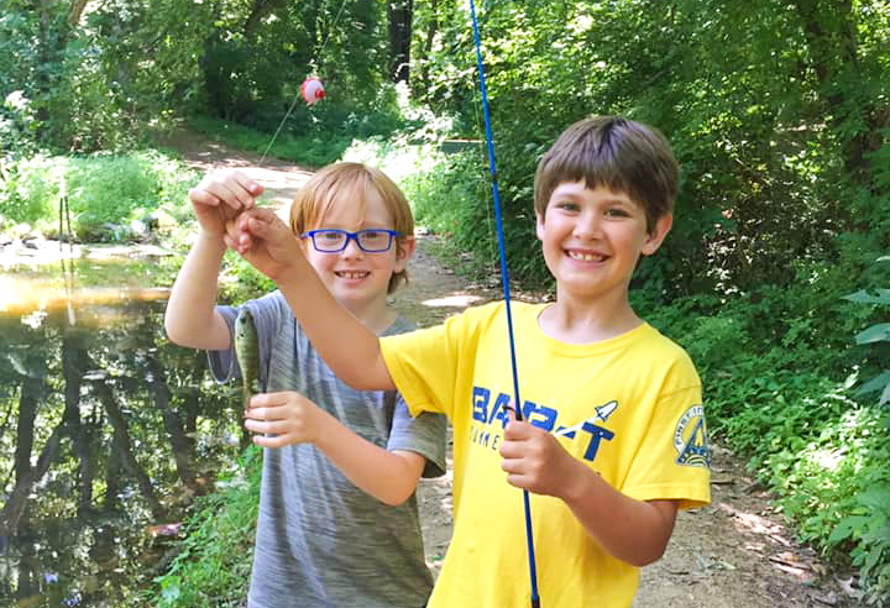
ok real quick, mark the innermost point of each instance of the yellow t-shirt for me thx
(629, 407)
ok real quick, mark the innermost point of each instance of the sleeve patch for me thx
(691, 439)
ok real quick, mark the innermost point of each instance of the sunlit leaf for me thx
(875, 333)
(875, 384)
(864, 297)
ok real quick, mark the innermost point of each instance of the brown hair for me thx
(351, 181)
(620, 154)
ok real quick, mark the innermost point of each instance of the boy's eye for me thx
(330, 236)
(372, 235)
(617, 212)
(567, 205)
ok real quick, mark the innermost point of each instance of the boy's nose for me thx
(588, 225)
(352, 250)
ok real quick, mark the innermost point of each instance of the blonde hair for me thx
(351, 182)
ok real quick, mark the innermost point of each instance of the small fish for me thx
(246, 349)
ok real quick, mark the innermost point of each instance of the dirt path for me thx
(280, 180)
(735, 553)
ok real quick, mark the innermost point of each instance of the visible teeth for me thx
(352, 274)
(585, 257)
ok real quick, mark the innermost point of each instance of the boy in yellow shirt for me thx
(613, 439)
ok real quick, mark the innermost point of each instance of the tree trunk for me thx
(830, 32)
(18, 498)
(400, 14)
(31, 395)
(259, 11)
(46, 53)
(113, 476)
(125, 447)
(76, 12)
(178, 442)
(33, 389)
(431, 31)
(192, 397)
(73, 357)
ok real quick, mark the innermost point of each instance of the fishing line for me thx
(489, 228)
(314, 65)
(505, 279)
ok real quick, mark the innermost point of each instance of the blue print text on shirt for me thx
(490, 416)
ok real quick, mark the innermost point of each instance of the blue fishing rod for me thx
(505, 280)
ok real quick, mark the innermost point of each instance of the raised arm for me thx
(191, 318)
(349, 348)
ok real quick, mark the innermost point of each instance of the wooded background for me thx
(776, 276)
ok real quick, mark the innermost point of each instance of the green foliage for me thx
(450, 198)
(108, 189)
(239, 281)
(874, 336)
(97, 82)
(212, 569)
(310, 150)
(17, 125)
(31, 193)
(102, 191)
(868, 530)
(838, 490)
(310, 137)
(767, 183)
(779, 376)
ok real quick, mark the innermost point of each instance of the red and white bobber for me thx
(312, 91)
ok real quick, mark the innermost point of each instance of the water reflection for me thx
(106, 431)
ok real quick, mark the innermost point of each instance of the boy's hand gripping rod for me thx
(505, 280)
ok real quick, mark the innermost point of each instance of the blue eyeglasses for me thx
(369, 240)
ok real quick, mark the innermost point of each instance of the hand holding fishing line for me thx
(264, 240)
(220, 197)
(225, 205)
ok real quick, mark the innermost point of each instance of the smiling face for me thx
(359, 280)
(592, 239)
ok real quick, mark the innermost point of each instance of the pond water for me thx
(107, 430)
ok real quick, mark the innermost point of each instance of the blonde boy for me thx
(338, 523)
(613, 440)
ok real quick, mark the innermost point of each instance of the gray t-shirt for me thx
(321, 541)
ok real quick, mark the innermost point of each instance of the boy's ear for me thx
(539, 225)
(404, 251)
(656, 237)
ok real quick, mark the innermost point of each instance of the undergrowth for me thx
(213, 567)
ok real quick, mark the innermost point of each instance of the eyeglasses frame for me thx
(352, 236)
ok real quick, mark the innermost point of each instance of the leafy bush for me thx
(868, 530)
(878, 337)
(452, 195)
(18, 123)
(213, 568)
(837, 489)
(310, 137)
(780, 377)
(32, 192)
(102, 190)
